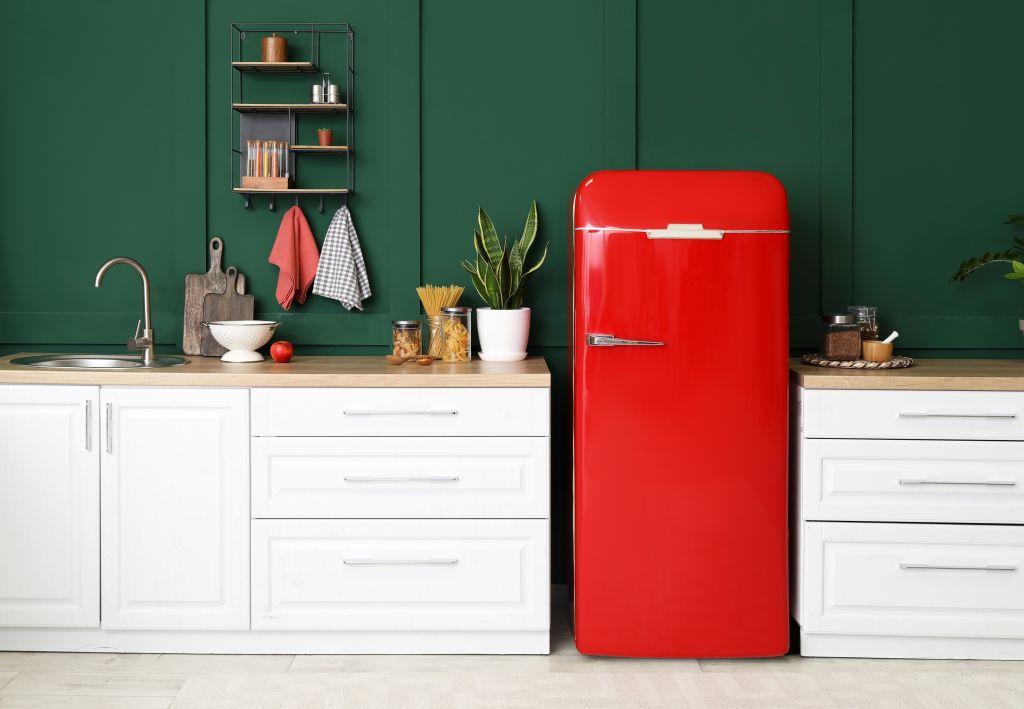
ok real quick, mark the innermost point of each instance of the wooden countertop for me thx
(926, 374)
(300, 372)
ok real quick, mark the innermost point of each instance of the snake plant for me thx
(499, 272)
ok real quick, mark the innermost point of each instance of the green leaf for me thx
(478, 245)
(490, 237)
(1018, 267)
(515, 263)
(1014, 218)
(491, 295)
(1014, 276)
(529, 231)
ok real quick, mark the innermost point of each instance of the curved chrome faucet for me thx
(145, 343)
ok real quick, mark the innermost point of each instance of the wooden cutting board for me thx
(229, 305)
(197, 287)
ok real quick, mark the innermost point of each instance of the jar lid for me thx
(862, 308)
(457, 310)
(405, 324)
(839, 319)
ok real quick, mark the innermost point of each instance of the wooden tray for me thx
(897, 362)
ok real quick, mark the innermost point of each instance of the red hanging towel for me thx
(296, 255)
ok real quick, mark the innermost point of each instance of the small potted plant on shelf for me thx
(499, 274)
(324, 136)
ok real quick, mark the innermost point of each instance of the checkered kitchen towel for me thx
(341, 273)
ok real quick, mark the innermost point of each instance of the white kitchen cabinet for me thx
(210, 509)
(908, 517)
(49, 506)
(175, 508)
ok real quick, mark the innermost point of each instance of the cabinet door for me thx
(175, 508)
(49, 507)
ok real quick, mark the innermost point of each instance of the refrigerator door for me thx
(680, 347)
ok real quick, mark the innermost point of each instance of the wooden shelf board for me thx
(275, 66)
(293, 107)
(318, 148)
(292, 190)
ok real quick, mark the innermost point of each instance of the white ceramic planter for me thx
(503, 334)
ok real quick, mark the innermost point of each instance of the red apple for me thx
(282, 351)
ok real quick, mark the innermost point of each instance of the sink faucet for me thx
(145, 343)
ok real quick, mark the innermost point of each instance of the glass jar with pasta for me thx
(456, 331)
(406, 338)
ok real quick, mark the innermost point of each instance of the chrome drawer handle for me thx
(986, 483)
(612, 341)
(922, 415)
(110, 429)
(400, 412)
(88, 424)
(955, 567)
(401, 562)
(401, 478)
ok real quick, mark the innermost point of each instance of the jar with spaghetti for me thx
(436, 340)
(406, 338)
(456, 331)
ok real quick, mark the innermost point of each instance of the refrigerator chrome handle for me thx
(596, 340)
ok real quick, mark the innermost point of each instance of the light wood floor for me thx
(563, 680)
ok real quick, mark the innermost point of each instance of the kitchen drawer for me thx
(914, 579)
(400, 477)
(949, 415)
(400, 412)
(400, 574)
(913, 481)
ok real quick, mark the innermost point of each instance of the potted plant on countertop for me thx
(325, 136)
(1013, 256)
(499, 274)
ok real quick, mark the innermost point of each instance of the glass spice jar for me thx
(435, 342)
(867, 319)
(456, 331)
(841, 337)
(406, 338)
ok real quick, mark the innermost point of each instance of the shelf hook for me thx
(248, 201)
(321, 204)
(273, 202)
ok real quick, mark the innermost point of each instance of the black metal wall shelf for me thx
(289, 112)
(275, 67)
(290, 107)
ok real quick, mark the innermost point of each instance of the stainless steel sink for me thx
(79, 361)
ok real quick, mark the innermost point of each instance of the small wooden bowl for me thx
(876, 350)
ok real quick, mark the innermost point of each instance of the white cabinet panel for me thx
(914, 579)
(929, 415)
(175, 494)
(49, 506)
(401, 574)
(400, 412)
(400, 477)
(913, 481)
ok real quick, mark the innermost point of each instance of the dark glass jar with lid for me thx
(840, 339)
(867, 318)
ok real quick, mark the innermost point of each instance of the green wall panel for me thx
(114, 168)
(938, 155)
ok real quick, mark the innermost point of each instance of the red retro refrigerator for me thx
(679, 360)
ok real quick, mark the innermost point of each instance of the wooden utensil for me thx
(197, 287)
(229, 305)
(398, 359)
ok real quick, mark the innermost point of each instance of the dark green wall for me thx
(894, 126)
